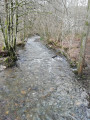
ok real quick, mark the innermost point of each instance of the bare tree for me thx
(83, 41)
(9, 25)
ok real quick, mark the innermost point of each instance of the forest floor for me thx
(42, 86)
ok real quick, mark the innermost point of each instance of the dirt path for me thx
(41, 87)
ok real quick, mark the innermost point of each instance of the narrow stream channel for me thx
(41, 87)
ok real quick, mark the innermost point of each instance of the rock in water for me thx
(2, 67)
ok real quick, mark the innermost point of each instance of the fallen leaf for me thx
(29, 89)
(7, 112)
(16, 104)
(23, 92)
(17, 118)
(51, 89)
(78, 103)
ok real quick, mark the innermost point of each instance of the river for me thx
(41, 87)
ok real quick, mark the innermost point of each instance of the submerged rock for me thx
(2, 67)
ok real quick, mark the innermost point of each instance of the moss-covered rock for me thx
(10, 61)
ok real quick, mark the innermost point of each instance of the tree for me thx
(9, 25)
(83, 41)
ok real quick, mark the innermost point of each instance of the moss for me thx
(86, 23)
(66, 49)
(10, 61)
(50, 42)
(21, 44)
(75, 72)
(83, 34)
(73, 64)
(3, 48)
(42, 38)
(63, 53)
(78, 35)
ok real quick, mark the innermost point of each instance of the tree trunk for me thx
(83, 42)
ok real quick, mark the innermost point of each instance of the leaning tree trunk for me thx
(83, 42)
(6, 25)
(16, 24)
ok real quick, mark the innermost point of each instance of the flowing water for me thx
(41, 87)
